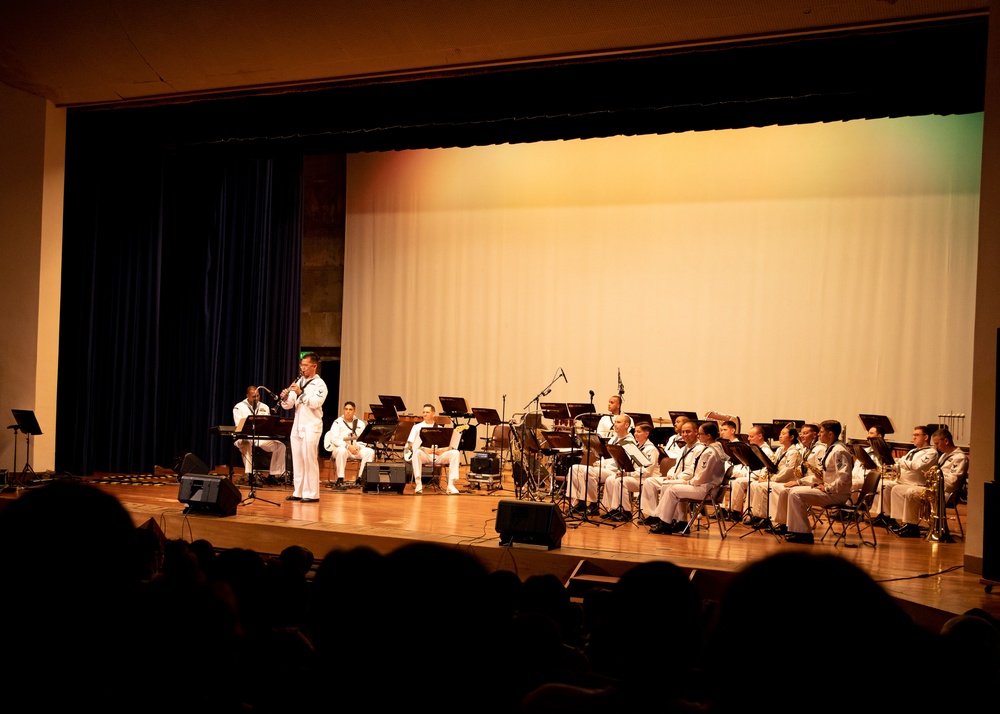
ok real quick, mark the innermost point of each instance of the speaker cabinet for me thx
(484, 464)
(381, 478)
(209, 495)
(530, 522)
(189, 464)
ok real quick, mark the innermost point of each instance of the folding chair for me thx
(697, 507)
(953, 500)
(855, 513)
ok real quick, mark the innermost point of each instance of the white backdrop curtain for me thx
(810, 272)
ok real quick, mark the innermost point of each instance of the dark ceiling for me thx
(397, 74)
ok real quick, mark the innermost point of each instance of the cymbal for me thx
(661, 421)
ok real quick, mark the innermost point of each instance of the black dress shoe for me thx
(662, 528)
(594, 509)
(293, 498)
(781, 529)
(679, 527)
(802, 538)
(310, 500)
(650, 521)
(908, 530)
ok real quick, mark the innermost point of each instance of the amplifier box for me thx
(380, 478)
(484, 464)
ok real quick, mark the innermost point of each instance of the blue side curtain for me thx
(180, 288)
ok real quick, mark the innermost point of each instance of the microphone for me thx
(563, 373)
(546, 392)
(263, 388)
(621, 387)
(591, 395)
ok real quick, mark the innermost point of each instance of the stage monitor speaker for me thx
(484, 464)
(384, 477)
(534, 523)
(209, 495)
(189, 464)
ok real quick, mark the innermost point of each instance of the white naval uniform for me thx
(788, 463)
(612, 498)
(589, 477)
(912, 473)
(449, 458)
(835, 488)
(338, 440)
(277, 449)
(307, 429)
(906, 498)
(708, 474)
(654, 488)
(740, 482)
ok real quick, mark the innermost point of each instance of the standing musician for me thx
(420, 455)
(709, 470)
(606, 426)
(587, 478)
(629, 483)
(342, 442)
(769, 497)
(654, 489)
(252, 406)
(306, 396)
(831, 488)
(906, 498)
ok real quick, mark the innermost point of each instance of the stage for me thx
(927, 578)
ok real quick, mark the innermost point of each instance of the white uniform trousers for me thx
(341, 456)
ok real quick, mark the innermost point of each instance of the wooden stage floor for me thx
(927, 578)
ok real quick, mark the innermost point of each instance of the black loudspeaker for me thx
(484, 465)
(210, 495)
(991, 531)
(531, 522)
(384, 477)
(468, 440)
(189, 464)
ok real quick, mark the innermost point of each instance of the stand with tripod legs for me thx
(27, 424)
(253, 427)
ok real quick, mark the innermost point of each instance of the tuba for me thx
(934, 497)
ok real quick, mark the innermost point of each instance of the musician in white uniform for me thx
(769, 497)
(912, 473)
(675, 444)
(306, 396)
(740, 482)
(655, 488)
(812, 450)
(420, 455)
(252, 406)
(907, 498)
(606, 426)
(832, 487)
(710, 468)
(342, 443)
(629, 483)
(585, 478)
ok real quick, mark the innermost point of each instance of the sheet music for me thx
(636, 454)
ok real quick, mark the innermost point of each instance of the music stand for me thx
(693, 416)
(754, 459)
(435, 437)
(640, 418)
(253, 428)
(455, 407)
(780, 424)
(768, 430)
(384, 413)
(623, 460)
(862, 455)
(591, 420)
(553, 410)
(883, 454)
(878, 420)
(391, 401)
(28, 425)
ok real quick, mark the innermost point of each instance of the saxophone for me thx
(934, 497)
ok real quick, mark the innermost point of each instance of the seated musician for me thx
(740, 482)
(709, 470)
(655, 488)
(584, 478)
(859, 473)
(769, 497)
(252, 406)
(812, 450)
(418, 455)
(621, 483)
(832, 486)
(907, 497)
(912, 472)
(675, 444)
(342, 443)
